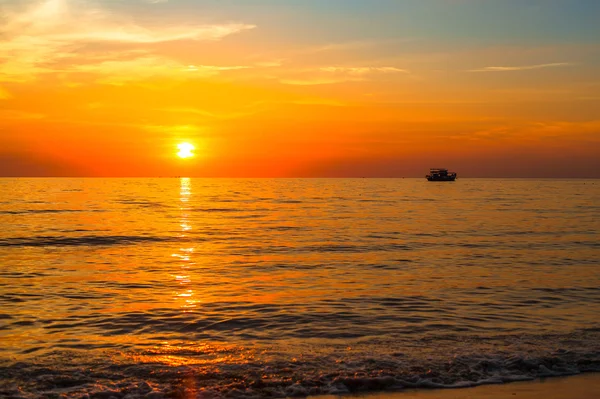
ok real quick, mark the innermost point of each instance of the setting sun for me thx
(185, 150)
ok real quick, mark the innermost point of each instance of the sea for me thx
(242, 288)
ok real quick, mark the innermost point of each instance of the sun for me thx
(186, 150)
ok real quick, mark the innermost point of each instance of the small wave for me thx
(47, 211)
(53, 241)
(18, 298)
(286, 228)
(143, 204)
(216, 210)
(14, 274)
(331, 248)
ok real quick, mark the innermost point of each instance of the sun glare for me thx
(186, 150)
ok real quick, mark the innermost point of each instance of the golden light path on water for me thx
(185, 294)
(200, 354)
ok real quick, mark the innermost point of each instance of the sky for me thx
(300, 88)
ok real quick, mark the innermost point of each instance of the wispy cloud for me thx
(311, 81)
(123, 71)
(34, 39)
(351, 45)
(360, 71)
(179, 131)
(118, 72)
(210, 114)
(522, 67)
(557, 131)
(212, 69)
(60, 20)
(338, 74)
(320, 101)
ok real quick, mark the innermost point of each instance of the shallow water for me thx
(215, 287)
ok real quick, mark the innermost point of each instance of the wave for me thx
(402, 317)
(90, 240)
(143, 204)
(48, 211)
(226, 370)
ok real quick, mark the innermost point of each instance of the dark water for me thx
(205, 288)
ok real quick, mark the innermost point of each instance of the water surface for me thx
(223, 287)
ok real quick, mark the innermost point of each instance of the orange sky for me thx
(287, 88)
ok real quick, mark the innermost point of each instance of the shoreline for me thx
(580, 386)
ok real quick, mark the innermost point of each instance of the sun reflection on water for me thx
(185, 293)
(211, 356)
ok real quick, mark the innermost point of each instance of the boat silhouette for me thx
(440, 174)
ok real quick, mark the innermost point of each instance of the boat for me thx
(440, 174)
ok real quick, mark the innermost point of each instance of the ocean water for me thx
(185, 288)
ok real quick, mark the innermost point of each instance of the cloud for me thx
(580, 131)
(210, 114)
(351, 45)
(35, 39)
(320, 101)
(590, 129)
(175, 131)
(212, 69)
(521, 68)
(337, 74)
(311, 81)
(59, 21)
(118, 72)
(360, 71)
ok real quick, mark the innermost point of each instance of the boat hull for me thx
(449, 178)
